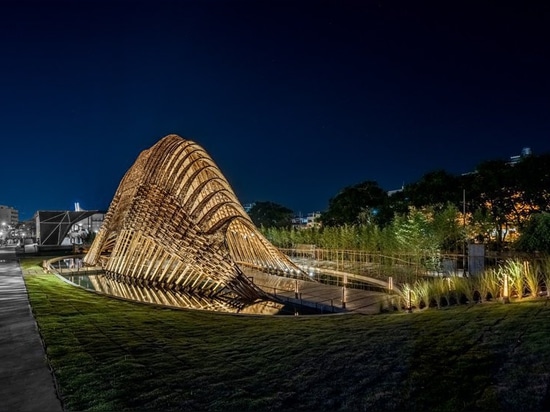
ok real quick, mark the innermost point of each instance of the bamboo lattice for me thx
(175, 222)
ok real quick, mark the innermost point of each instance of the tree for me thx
(533, 184)
(480, 226)
(270, 214)
(535, 236)
(415, 234)
(493, 191)
(398, 204)
(355, 204)
(435, 189)
(448, 229)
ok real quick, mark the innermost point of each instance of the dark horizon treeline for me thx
(496, 197)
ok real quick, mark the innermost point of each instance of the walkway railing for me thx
(69, 264)
(401, 268)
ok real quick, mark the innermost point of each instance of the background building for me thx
(9, 220)
(9, 216)
(305, 222)
(63, 227)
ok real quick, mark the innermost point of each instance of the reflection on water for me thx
(107, 285)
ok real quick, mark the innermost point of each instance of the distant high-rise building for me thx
(525, 152)
(309, 221)
(313, 219)
(9, 216)
(248, 206)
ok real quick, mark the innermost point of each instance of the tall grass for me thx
(490, 284)
(532, 278)
(513, 268)
(523, 276)
(408, 296)
(423, 293)
(464, 289)
(442, 291)
(542, 267)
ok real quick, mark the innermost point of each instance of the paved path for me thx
(26, 383)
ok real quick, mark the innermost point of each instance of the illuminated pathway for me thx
(321, 296)
(27, 383)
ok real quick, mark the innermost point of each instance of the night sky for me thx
(294, 100)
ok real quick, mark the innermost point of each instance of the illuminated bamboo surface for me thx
(175, 222)
(109, 285)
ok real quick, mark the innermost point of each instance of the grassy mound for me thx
(113, 355)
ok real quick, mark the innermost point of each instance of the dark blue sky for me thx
(294, 100)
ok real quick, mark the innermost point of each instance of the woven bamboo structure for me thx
(179, 299)
(175, 222)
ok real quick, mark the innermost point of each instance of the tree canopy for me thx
(535, 236)
(435, 189)
(356, 204)
(497, 196)
(270, 214)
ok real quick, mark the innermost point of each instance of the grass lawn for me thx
(112, 355)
